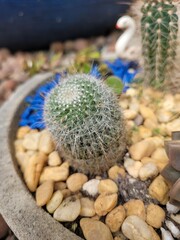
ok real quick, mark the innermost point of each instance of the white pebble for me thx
(172, 208)
(91, 187)
(148, 170)
(166, 235)
(174, 230)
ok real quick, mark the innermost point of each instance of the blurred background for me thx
(41, 35)
(34, 24)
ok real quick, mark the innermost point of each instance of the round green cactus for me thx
(159, 26)
(86, 122)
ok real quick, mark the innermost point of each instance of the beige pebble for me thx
(159, 164)
(130, 124)
(135, 207)
(116, 171)
(161, 157)
(124, 104)
(105, 203)
(173, 126)
(134, 228)
(134, 105)
(115, 218)
(158, 141)
(148, 170)
(55, 201)
(18, 145)
(46, 143)
(44, 193)
(60, 173)
(159, 189)
(160, 153)
(96, 217)
(54, 159)
(176, 218)
(98, 178)
(155, 236)
(30, 153)
(87, 207)
(142, 149)
(164, 116)
(168, 102)
(107, 185)
(22, 131)
(147, 112)
(31, 141)
(94, 230)
(66, 193)
(176, 97)
(155, 215)
(33, 170)
(68, 210)
(130, 114)
(135, 137)
(131, 92)
(22, 159)
(145, 132)
(150, 123)
(132, 167)
(118, 238)
(34, 131)
(76, 181)
(60, 185)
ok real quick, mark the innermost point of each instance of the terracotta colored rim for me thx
(17, 205)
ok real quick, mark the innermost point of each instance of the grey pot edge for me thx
(17, 205)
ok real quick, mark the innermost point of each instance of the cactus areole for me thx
(159, 26)
(86, 122)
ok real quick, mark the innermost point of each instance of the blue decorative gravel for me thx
(32, 116)
(125, 70)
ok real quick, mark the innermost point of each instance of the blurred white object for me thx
(126, 47)
(173, 229)
(171, 208)
(166, 235)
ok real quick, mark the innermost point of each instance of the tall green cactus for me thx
(84, 117)
(159, 26)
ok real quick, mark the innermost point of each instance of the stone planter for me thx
(17, 204)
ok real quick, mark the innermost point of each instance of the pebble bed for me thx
(16, 68)
(130, 200)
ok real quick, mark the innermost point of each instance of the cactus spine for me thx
(86, 122)
(159, 26)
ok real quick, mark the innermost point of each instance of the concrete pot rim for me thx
(17, 204)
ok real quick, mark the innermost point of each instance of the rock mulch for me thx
(130, 201)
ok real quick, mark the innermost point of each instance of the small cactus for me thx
(159, 27)
(86, 122)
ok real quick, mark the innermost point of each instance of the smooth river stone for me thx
(68, 210)
(95, 230)
(134, 228)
